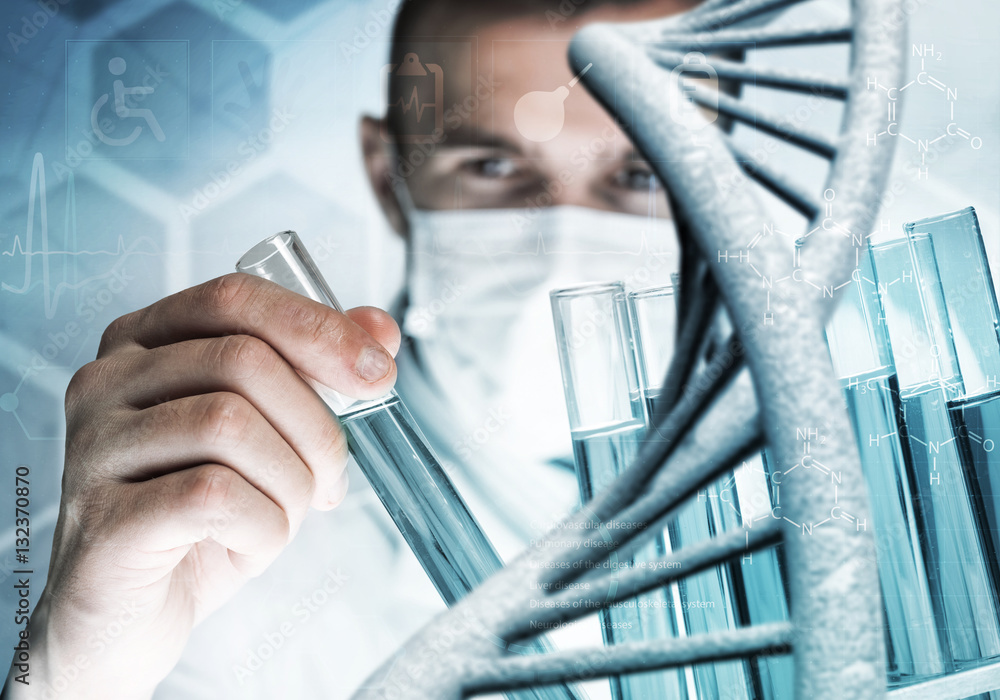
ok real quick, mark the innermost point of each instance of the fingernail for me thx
(338, 491)
(373, 364)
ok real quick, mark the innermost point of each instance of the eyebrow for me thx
(465, 136)
(632, 154)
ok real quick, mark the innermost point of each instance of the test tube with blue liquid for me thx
(394, 456)
(748, 592)
(608, 424)
(959, 556)
(862, 359)
(971, 302)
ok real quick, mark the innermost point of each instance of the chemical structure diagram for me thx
(752, 493)
(827, 223)
(888, 443)
(923, 80)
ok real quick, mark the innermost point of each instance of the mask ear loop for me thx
(399, 185)
(401, 191)
(651, 218)
(651, 204)
(458, 192)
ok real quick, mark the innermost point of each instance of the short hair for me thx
(416, 17)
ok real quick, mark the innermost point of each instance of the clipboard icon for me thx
(418, 105)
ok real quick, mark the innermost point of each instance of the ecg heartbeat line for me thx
(37, 192)
(17, 248)
(413, 103)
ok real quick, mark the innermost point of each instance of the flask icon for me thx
(684, 76)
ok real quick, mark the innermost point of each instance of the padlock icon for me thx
(683, 110)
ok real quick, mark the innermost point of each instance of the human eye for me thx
(492, 167)
(636, 176)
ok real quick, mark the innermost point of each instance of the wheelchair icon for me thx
(117, 66)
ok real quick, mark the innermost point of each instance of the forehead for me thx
(499, 73)
(532, 96)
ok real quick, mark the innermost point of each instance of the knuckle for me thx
(290, 477)
(281, 532)
(210, 489)
(222, 418)
(88, 516)
(331, 445)
(303, 491)
(244, 356)
(116, 332)
(226, 294)
(85, 441)
(93, 383)
(335, 439)
(83, 381)
(317, 325)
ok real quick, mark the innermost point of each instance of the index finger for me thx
(315, 339)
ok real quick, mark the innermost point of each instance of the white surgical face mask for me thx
(481, 322)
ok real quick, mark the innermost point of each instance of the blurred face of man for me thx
(487, 158)
(512, 184)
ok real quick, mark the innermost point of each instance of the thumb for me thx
(379, 325)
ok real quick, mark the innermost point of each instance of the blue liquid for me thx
(914, 644)
(708, 600)
(759, 581)
(430, 514)
(601, 454)
(961, 563)
(977, 425)
(422, 501)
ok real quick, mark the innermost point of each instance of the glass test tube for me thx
(971, 302)
(607, 424)
(861, 357)
(732, 594)
(395, 458)
(959, 559)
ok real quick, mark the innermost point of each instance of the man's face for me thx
(491, 344)
(488, 158)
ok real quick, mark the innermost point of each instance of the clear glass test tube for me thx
(955, 243)
(729, 595)
(970, 299)
(395, 458)
(861, 357)
(959, 556)
(607, 424)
